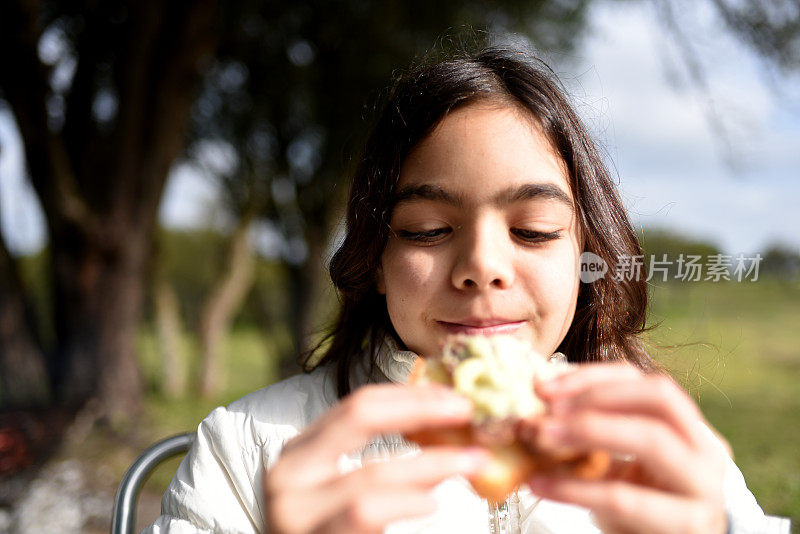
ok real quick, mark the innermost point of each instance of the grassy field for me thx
(734, 346)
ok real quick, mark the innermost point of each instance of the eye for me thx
(425, 236)
(532, 236)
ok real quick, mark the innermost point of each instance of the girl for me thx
(477, 193)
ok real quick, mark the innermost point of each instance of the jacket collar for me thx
(395, 363)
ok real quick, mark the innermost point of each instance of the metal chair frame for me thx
(123, 519)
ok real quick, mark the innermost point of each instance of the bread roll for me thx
(497, 374)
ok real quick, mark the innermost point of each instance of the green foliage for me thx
(291, 93)
(268, 302)
(191, 260)
(35, 277)
(777, 261)
(782, 261)
(658, 243)
(250, 355)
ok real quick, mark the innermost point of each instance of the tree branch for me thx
(23, 80)
(174, 85)
(771, 37)
(79, 135)
(156, 75)
(697, 76)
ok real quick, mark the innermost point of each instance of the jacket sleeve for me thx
(218, 485)
(745, 516)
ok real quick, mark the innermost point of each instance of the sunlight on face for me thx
(485, 238)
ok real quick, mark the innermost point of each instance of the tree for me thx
(290, 92)
(781, 261)
(770, 28)
(101, 93)
(291, 88)
(661, 245)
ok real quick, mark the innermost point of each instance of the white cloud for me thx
(670, 164)
(731, 214)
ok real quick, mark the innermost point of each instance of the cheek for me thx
(408, 277)
(552, 287)
(553, 283)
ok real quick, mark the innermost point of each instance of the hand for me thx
(305, 492)
(674, 483)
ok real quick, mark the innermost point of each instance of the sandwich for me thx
(497, 373)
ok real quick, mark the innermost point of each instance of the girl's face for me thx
(485, 238)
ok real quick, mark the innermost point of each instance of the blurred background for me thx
(172, 177)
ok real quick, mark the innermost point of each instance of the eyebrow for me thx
(532, 191)
(544, 191)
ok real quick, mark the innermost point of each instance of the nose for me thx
(484, 257)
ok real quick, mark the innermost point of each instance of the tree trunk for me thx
(98, 294)
(23, 374)
(218, 310)
(99, 187)
(173, 356)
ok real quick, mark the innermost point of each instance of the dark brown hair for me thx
(610, 312)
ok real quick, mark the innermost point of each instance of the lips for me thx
(481, 327)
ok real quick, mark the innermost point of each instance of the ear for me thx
(380, 284)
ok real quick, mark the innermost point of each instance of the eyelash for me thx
(431, 236)
(428, 236)
(532, 236)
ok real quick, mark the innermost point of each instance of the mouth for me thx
(481, 327)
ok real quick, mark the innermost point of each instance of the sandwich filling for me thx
(496, 373)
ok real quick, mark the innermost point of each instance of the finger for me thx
(656, 396)
(292, 512)
(662, 454)
(421, 472)
(623, 507)
(624, 468)
(380, 409)
(430, 467)
(373, 512)
(387, 409)
(584, 376)
(418, 473)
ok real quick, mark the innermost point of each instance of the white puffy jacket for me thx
(217, 487)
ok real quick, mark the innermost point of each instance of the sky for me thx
(629, 83)
(671, 167)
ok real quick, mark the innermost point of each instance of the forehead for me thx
(483, 149)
